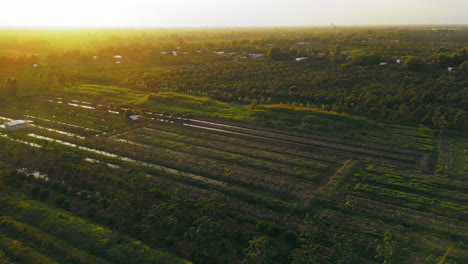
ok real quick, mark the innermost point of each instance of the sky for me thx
(228, 13)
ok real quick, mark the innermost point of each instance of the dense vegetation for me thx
(287, 145)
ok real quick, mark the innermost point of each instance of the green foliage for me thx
(307, 254)
(47, 244)
(268, 228)
(275, 53)
(95, 239)
(366, 60)
(17, 251)
(415, 64)
(259, 251)
(206, 235)
(209, 74)
(460, 121)
(390, 248)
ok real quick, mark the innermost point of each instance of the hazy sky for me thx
(220, 13)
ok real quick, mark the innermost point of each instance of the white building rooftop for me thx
(301, 58)
(255, 55)
(134, 117)
(18, 122)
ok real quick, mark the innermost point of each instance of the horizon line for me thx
(9, 27)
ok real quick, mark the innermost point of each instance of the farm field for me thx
(216, 155)
(264, 176)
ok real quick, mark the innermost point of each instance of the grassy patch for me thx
(459, 156)
(179, 102)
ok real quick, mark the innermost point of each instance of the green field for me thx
(329, 160)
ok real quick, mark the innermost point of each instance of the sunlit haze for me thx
(238, 13)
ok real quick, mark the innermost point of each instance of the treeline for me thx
(429, 97)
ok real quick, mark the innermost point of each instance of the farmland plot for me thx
(264, 174)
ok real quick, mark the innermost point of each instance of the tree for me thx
(275, 53)
(415, 64)
(464, 66)
(163, 216)
(307, 254)
(313, 228)
(205, 234)
(460, 121)
(214, 206)
(389, 248)
(440, 118)
(402, 112)
(139, 183)
(259, 251)
(366, 60)
(293, 51)
(129, 112)
(342, 251)
(122, 204)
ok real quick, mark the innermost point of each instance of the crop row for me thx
(436, 180)
(233, 192)
(332, 146)
(343, 141)
(237, 175)
(324, 148)
(92, 238)
(370, 222)
(412, 185)
(216, 170)
(206, 166)
(253, 152)
(57, 249)
(247, 143)
(414, 201)
(223, 156)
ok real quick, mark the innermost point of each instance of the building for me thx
(16, 125)
(255, 55)
(301, 58)
(134, 117)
